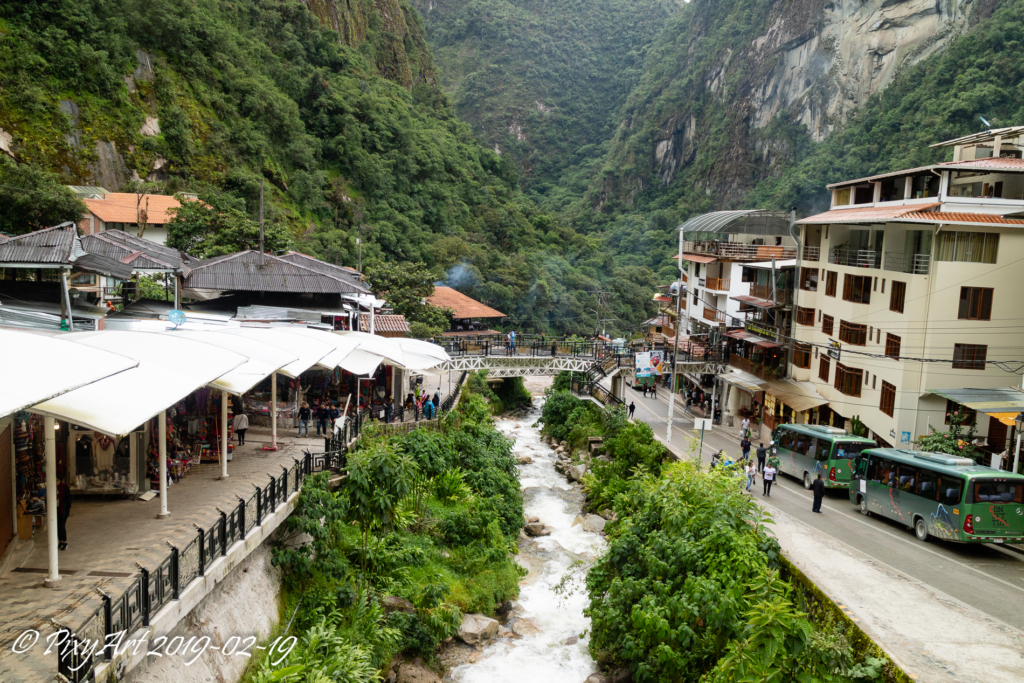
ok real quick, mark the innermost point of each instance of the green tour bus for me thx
(805, 451)
(940, 495)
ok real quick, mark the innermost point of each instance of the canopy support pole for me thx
(223, 434)
(273, 411)
(53, 579)
(162, 436)
(1016, 455)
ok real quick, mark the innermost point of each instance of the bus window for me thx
(950, 489)
(805, 445)
(928, 484)
(787, 440)
(822, 449)
(847, 450)
(907, 478)
(886, 473)
(874, 471)
(998, 492)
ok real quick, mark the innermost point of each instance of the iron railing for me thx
(812, 253)
(737, 250)
(915, 264)
(155, 588)
(859, 258)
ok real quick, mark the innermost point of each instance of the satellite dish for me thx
(176, 317)
(987, 124)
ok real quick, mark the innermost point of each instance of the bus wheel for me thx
(807, 481)
(921, 529)
(864, 506)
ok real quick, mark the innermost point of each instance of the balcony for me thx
(783, 296)
(713, 315)
(812, 253)
(915, 264)
(858, 258)
(736, 250)
(716, 283)
(754, 368)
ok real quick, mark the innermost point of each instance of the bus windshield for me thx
(848, 450)
(998, 492)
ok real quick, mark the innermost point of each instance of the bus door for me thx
(997, 506)
(875, 488)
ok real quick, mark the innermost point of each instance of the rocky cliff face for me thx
(729, 82)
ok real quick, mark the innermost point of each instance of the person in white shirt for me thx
(769, 477)
(241, 424)
(751, 471)
(744, 426)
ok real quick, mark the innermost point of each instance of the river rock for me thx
(607, 514)
(393, 603)
(594, 524)
(536, 529)
(477, 629)
(572, 640)
(525, 460)
(620, 676)
(533, 519)
(416, 672)
(597, 678)
(576, 472)
(604, 458)
(577, 520)
(510, 609)
(524, 627)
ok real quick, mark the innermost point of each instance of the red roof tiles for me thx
(870, 214)
(464, 307)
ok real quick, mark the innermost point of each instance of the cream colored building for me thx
(918, 263)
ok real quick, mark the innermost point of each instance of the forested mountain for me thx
(332, 102)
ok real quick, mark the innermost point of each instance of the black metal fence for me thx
(155, 587)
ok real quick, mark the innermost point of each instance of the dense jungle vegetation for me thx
(691, 586)
(431, 517)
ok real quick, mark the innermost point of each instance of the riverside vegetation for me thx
(692, 586)
(431, 517)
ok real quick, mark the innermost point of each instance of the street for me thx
(986, 577)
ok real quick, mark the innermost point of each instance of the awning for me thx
(341, 348)
(697, 259)
(169, 369)
(309, 351)
(743, 380)
(263, 359)
(39, 367)
(799, 396)
(754, 301)
(745, 222)
(1003, 404)
(743, 335)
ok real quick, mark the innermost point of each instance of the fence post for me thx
(308, 460)
(297, 468)
(202, 549)
(145, 593)
(223, 532)
(241, 518)
(175, 575)
(108, 620)
(272, 503)
(259, 505)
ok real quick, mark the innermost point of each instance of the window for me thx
(843, 196)
(874, 380)
(83, 279)
(822, 451)
(749, 275)
(928, 485)
(975, 303)
(924, 185)
(874, 285)
(905, 478)
(819, 316)
(826, 324)
(809, 279)
(998, 492)
(878, 336)
(883, 285)
(849, 380)
(969, 356)
(802, 355)
(823, 368)
(857, 288)
(967, 247)
(804, 316)
(971, 416)
(888, 402)
(892, 345)
(896, 296)
(831, 278)
(852, 333)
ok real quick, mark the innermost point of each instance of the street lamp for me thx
(678, 287)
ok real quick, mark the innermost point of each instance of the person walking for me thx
(304, 415)
(644, 388)
(818, 488)
(512, 339)
(332, 415)
(389, 410)
(241, 423)
(63, 510)
(632, 407)
(436, 400)
(745, 447)
(751, 471)
(769, 477)
(654, 389)
(762, 455)
(745, 427)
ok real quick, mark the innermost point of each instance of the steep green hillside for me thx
(333, 104)
(541, 80)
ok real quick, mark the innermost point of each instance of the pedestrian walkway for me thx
(106, 538)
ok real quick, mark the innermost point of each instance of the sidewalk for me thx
(106, 538)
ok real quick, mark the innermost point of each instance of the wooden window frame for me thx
(975, 297)
(887, 401)
(892, 346)
(853, 333)
(824, 367)
(831, 282)
(970, 356)
(804, 316)
(828, 325)
(857, 288)
(849, 381)
(809, 276)
(897, 296)
(802, 355)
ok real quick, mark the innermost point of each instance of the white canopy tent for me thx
(263, 359)
(38, 367)
(310, 351)
(343, 348)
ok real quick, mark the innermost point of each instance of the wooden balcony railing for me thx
(737, 250)
(782, 296)
(713, 315)
(718, 284)
(757, 369)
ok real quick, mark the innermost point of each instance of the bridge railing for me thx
(595, 391)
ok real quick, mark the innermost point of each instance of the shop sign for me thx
(648, 363)
(769, 332)
(834, 349)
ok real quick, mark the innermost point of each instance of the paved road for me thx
(987, 577)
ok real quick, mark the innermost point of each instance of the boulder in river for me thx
(416, 672)
(524, 627)
(536, 529)
(525, 460)
(510, 608)
(578, 519)
(594, 524)
(597, 678)
(576, 472)
(533, 519)
(477, 629)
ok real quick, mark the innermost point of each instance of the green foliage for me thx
(218, 225)
(956, 441)
(857, 427)
(406, 288)
(33, 198)
(513, 394)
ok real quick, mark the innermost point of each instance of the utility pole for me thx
(675, 351)
(261, 222)
(359, 244)
(602, 298)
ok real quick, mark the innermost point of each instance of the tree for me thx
(217, 225)
(33, 198)
(955, 441)
(406, 287)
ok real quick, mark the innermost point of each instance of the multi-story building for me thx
(922, 263)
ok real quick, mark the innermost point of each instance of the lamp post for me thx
(675, 348)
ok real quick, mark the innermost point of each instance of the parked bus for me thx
(940, 495)
(805, 451)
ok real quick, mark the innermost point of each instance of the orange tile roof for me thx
(464, 307)
(870, 214)
(120, 207)
(993, 163)
(384, 323)
(961, 217)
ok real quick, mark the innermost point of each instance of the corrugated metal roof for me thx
(137, 256)
(326, 268)
(155, 250)
(249, 271)
(103, 265)
(49, 245)
(745, 222)
(983, 136)
(986, 400)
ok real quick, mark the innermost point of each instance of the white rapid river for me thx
(554, 654)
